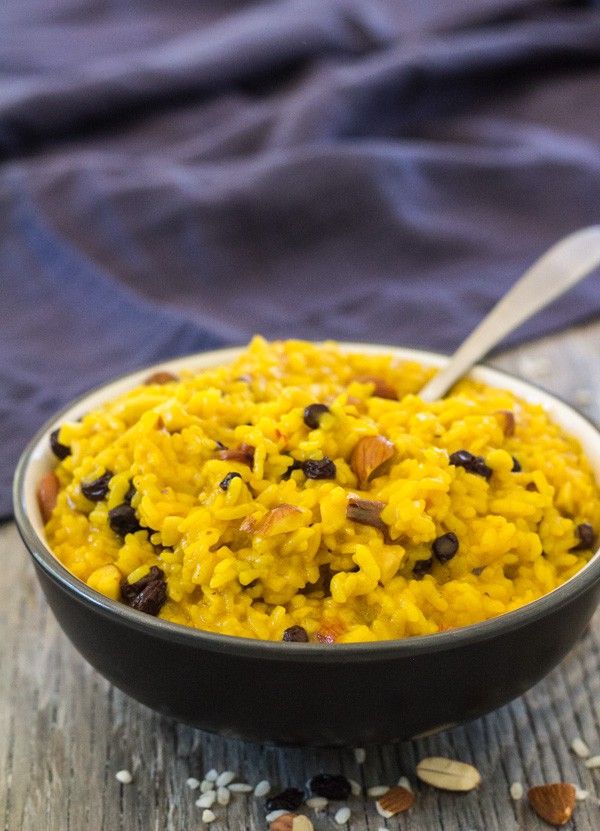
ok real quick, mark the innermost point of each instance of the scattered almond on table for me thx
(553, 803)
(291, 822)
(394, 801)
(448, 774)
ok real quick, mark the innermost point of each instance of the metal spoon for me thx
(560, 268)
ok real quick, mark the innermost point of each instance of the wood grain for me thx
(65, 732)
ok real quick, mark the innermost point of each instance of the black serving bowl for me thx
(311, 694)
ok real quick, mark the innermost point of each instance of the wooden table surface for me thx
(65, 731)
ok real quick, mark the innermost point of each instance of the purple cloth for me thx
(178, 176)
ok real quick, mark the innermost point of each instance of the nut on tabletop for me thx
(448, 774)
(291, 822)
(553, 803)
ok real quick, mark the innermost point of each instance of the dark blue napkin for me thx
(179, 176)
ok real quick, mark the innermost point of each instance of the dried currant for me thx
(123, 520)
(516, 468)
(319, 468)
(97, 489)
(585, 534)
(422, 567)
(313, 414)
(225, 482)
(147, 594)
(295, 465)
(296, 634)
(471, 463)
(287, 800)
(330, 785)
(445, 547)
(61, 451)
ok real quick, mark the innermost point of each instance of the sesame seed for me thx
(124, 777)
(377, 790)
(207, 800)
(342, 815)
(192, 783)
(211, 775)
(317, 803)
(225, 778)
(240, 787)
(223, 795)
(580, 748)
(355, 787)
(276, 814)
(516, 790)
(206, 786)
(263, 788)
(360, 754)
(208, 816)
(592, 762)
(581, 795)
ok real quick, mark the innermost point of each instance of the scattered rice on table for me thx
(303, 493)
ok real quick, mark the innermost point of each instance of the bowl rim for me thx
(278, 650)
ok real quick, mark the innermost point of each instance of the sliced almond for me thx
(243, 454)
(553, 803)
(395, 801)
(369, 456)
(291, 822)
(367, 512)
(381, 387)
(329, 631)
(281, 519)
(161, 377)
(47, 494)
(507, 421)
(448, 774)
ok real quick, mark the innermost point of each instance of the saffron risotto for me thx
(307, 493)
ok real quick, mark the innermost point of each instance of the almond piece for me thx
(243, 454)
(329, 631)
(281, 519)
(395, 801)
(381, 387)
(291, 822)
(553, 803)
(448, 774)
(507, 421)
(47, 494)
(368, 457)
(368, 512)
(163, 376)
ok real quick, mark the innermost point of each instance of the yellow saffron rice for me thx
(348, 546)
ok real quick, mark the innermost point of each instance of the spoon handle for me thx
(561, 267)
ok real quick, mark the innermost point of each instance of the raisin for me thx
(423, 566)
(313, 413)
(123, 520)
(516, 468)
(330, 785)
(224, 483)
(147, 594)
(296, 465)
(471, 463)
(296, 634)
(445, 547)
(319, 468)
(287, 800)
(61, 451)
(585, 533)
(97, 489)
(129, 495)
